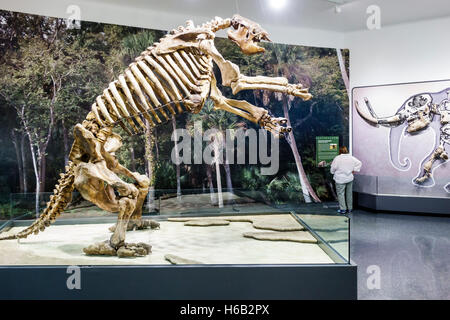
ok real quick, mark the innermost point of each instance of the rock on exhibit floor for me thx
(224, 244)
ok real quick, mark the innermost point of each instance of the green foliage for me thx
(5, 211)
(212, 118)
(134, 44)
(319, 184)
(285, 189)
(165, 175)
(11, 210)
(252, 179)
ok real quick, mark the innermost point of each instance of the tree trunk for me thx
(36, 173)
(227, 168)
(155, 132)
(133, 160)
(36, 198)
(42, 169)
(218, 178)
(19, 159)
(174, 126)
(42, 148)
(34, 155)
(150, 163)
(210, 182)
(307, 190)
(66, 143)
(343, 70)
(24, 167)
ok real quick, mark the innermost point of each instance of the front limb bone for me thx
(95, 183)
(142, 183)
(232, 77)
(248, 111)
(278, 84)
(136, 221)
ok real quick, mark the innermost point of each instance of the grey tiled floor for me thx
(412, 253)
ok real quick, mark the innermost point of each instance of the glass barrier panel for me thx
(195, 225)
(333, 229)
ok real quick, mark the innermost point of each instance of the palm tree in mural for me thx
(285, 64)
(219, 120)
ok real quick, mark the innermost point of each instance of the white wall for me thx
(125, 15)
(410, 52)
(403, 53)
(413, 52)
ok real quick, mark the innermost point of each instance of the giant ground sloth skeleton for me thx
(418, 113)
(172, 76)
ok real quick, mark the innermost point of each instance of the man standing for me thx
(343, 167)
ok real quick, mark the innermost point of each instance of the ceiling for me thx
(315, 14)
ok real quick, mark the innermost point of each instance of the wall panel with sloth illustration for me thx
(406, 153)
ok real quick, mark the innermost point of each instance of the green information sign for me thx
(327, 148)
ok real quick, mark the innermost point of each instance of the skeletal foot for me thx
(420, 180)
(277, 126)
(127, 250)
(134, 250)
(424, 180)
(100, 248)
(297, 90)
(139, 224)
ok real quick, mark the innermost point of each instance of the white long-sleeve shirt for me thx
(343, 166)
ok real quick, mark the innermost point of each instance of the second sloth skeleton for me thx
(172, 76)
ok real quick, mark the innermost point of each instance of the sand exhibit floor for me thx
(262, 239)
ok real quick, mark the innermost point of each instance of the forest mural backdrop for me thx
(51, 74)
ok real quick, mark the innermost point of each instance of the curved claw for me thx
(281, 121)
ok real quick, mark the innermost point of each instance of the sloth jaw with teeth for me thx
(246, 34)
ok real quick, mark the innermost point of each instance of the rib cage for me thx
(153, 88)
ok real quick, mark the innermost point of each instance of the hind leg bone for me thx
(142, 184)
(96, 179)
(94, 182)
